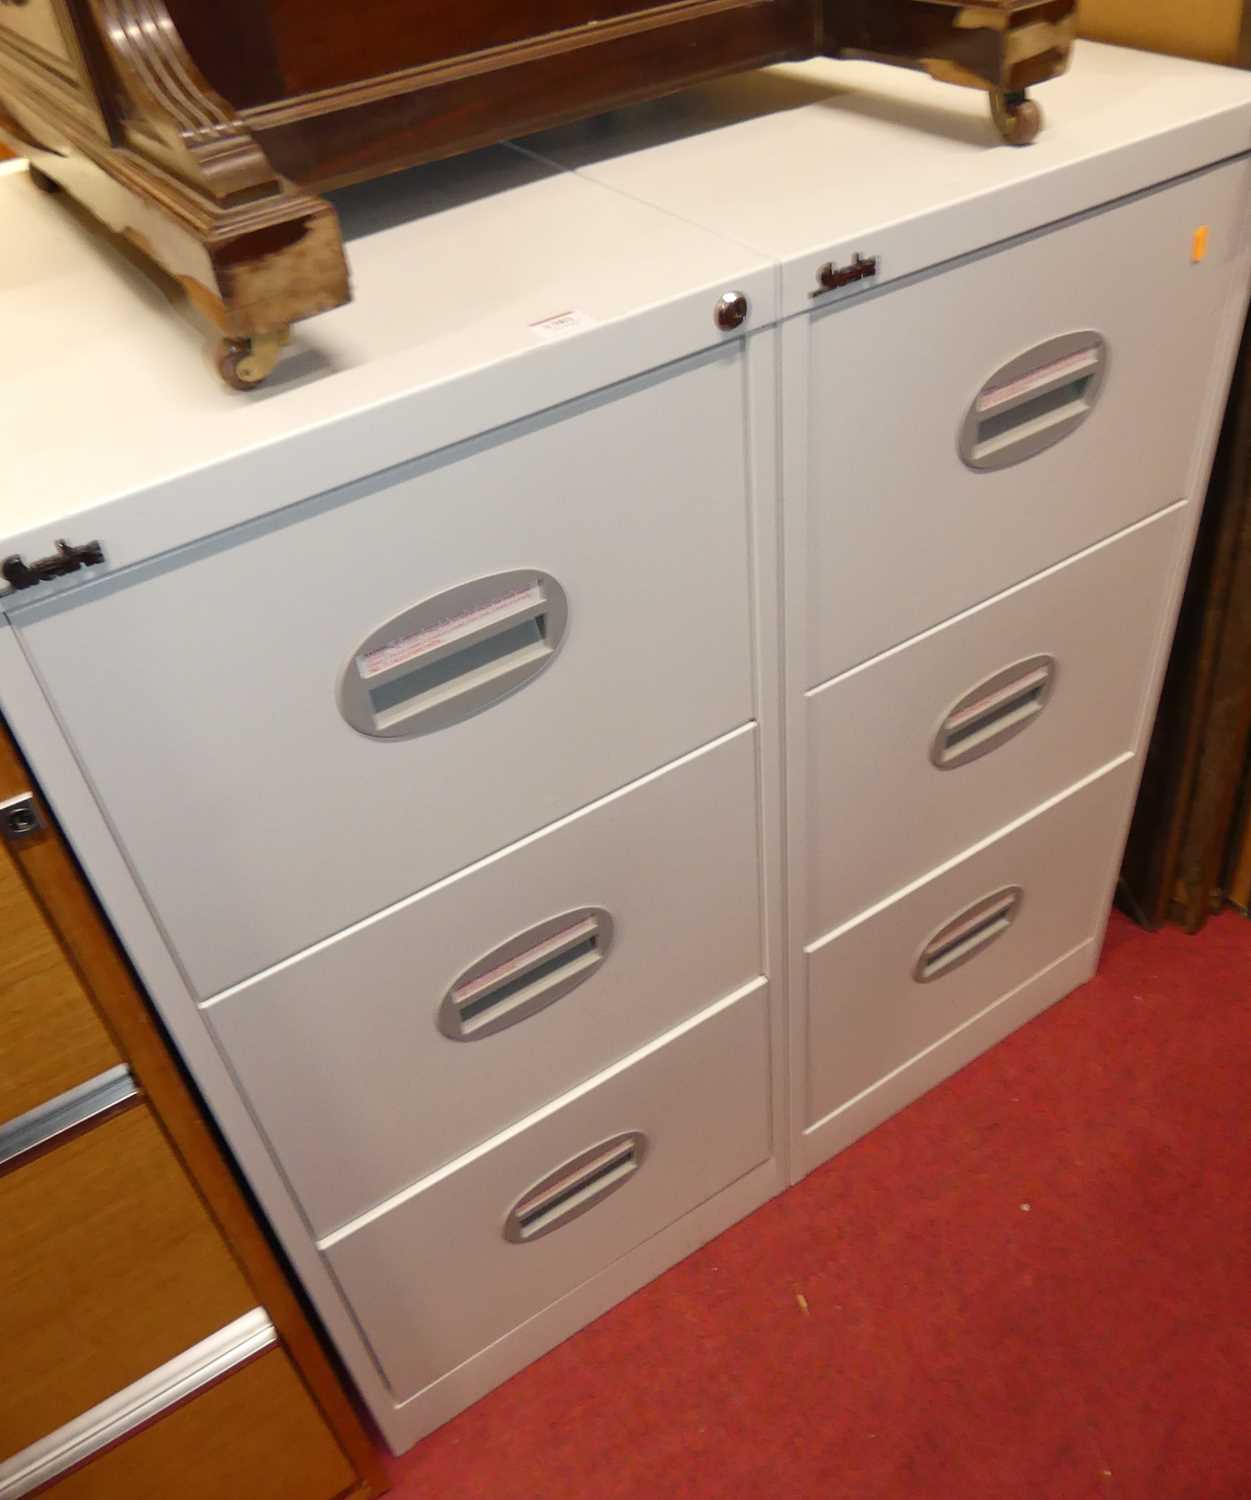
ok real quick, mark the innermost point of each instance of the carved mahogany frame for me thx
(107, 102)
(127, 124)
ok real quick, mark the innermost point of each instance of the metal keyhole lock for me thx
(731, 311)
(19, 818)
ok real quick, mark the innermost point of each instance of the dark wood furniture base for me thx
(203, 132)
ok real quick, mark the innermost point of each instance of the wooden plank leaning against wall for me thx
(1190, 846)
(125, 1239)
(1213, 30)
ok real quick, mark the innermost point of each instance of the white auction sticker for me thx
(561, 325)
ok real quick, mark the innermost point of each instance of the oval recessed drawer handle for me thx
(575, 1186)
(454, 654)
(971, 933)
(1034, 401)
(998, 709)
(526, 974)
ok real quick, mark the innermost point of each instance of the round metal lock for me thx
(731, 311)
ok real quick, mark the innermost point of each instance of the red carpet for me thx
(1035, 1282)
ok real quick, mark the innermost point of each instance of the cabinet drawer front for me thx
(933, 747)
(434, 1279)
(997, 356)
(111, 1267)
(261, 819)
(886, 988)
(613, 927)
(51, 1039)
(255, 1433)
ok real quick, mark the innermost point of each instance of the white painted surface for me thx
(433, 1281)
(339, 1053)
(883, 815)
(866, 1013)
(813, 162)
(901, 533)
(410, 1420)
(257, 820)
(895, 1091)
(113, 425)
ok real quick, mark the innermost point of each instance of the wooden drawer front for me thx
(902, 534)
(256, 1433)
(110, 1265)
(433, 1279)
(932, 748)
(259, 821)
(650, 899)
(386, 37)
(51, 1039)
(887, 987)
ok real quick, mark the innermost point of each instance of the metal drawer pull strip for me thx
(1034, 401)
(575, 1186)
(60, 1118)
(526, 974)
(994, 712)
(137, 1406)
(969, 934)
(453, 655)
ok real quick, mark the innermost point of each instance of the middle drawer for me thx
(381, 1055)
(935, 746)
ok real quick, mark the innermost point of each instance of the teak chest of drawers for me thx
(151, 1344)
(563, 772)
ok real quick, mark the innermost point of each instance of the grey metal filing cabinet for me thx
(566, 760)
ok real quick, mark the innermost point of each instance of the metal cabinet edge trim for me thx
(64, 1116)
(137, 1405)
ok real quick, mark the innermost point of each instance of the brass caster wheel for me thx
(42, 181)
(1017, 118)
(246, 363)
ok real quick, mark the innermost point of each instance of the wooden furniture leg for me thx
(1001, 46)
(105, 102)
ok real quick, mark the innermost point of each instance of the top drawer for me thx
(932, 485)
(315, 716)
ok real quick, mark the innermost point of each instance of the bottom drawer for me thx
(886, 987)
(481, 1246)
(255, 1433)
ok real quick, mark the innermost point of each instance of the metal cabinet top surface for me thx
(114, 427)
(811, 162)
